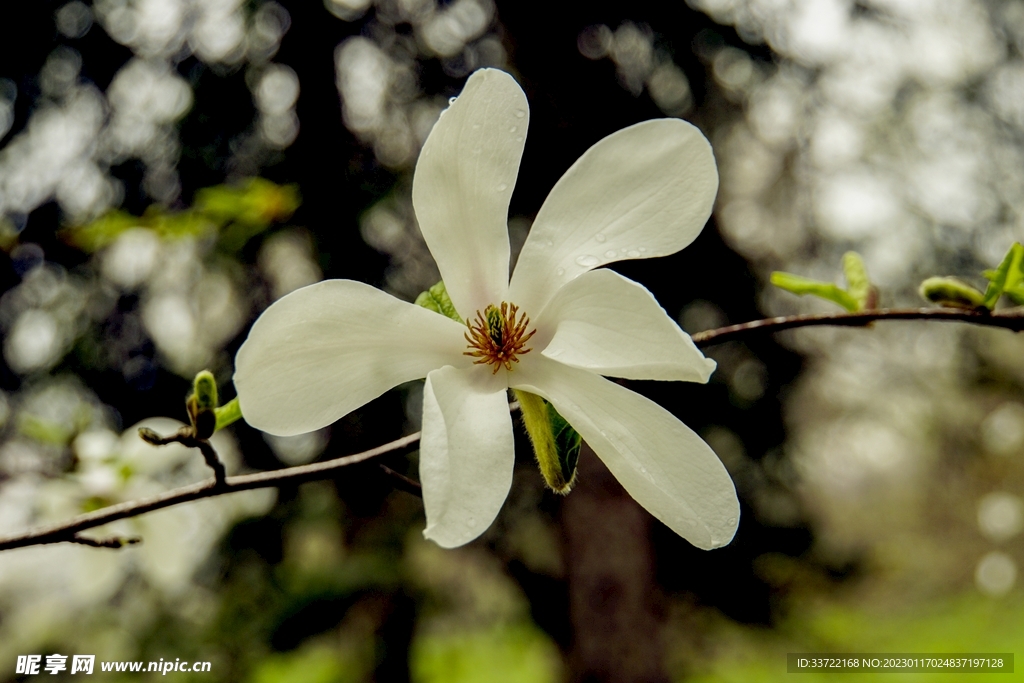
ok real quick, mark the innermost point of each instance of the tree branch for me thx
(68, 531)
(1011, 320)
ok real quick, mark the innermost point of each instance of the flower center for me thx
(496, 337)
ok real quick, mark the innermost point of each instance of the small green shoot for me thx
(860, 294)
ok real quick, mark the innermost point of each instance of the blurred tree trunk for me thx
(614, 601)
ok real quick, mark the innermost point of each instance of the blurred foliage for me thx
(507, 654)
(964, 623)
(233, 213)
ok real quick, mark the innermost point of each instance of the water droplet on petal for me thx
(632, 253)
(520, 113)
(587, 261)
(502, 187)
(451, 100)
(513, 129)
(611, 253)
(641, 249)
(732, 520)
(643, 470)
(599, 237)
(519, 138)
(560, 272)
(550, 243)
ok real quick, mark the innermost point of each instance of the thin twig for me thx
(1012, 320)
(186, 437)
(403, 483)
(67, 531)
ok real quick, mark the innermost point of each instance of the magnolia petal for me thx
(322, 351)
(463, 183)
(667, 468)
(466, 453)
(613, 326)
(641, 192)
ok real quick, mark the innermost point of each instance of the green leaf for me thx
(825, 290)
(1016, 294)
(857, 283)
(951, 293)
(1007, 276)
(436, 299)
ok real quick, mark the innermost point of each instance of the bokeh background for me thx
(168, 168)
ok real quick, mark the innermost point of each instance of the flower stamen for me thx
(497, 338)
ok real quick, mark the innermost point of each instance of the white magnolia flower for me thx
(325, 350)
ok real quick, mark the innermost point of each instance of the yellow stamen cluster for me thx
(497, 338)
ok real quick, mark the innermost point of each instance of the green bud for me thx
(202, 404)
(437, 300)
(951, 293)
(556, 444)
(205, 390)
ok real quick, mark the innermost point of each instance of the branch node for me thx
(114, 542)
(186, 437)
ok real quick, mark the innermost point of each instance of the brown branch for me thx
(68, 531)
(1012, 320)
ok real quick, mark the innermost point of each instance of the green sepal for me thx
(556, 444)
(858, 285)
(825, 290)
(228, 413)
(951, 293)
(567, 445)
(1006, 279)
(436, 299)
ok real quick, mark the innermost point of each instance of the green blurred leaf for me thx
(45, 431)
(503, 654)
(311, 664)
(1007, 276)
(244, 211)
(825, 290)
(236, 212)
(100, 232)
